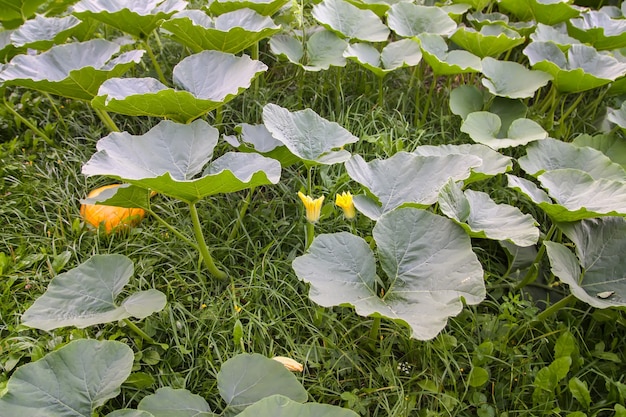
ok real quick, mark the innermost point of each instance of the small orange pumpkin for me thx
(110, 217)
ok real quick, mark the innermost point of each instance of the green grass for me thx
(390, 375)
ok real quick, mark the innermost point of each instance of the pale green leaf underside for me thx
(74, 70)
(170, 402)
(247, 378)
(43, 32)
(349, 21)
(612, 146)
(598, 29)
(486, 128)
(308, 135)
(69, 382)
(281, 406)
(512, 80)
(428, 262)
(231, 32)
(86, 295)
(481, 217)
(407, 178)
(597, 274)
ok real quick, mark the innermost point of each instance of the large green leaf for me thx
(263, 7)
(69, 382)
(320, 51)
(512, 80)
(406, 178)
(127, 412)
(42, 32)
(491, 40)
(551, 154)
(349, 21)
(86, 295)
(476, 4)
(443, 61)
(208, 80)
(169, 155)
(617, 116)
(493, 163)
(256, 138)
(428, 261)
(247, 378)
(74, 70)
(409, 19)
(230, 32)
(380, 7)
(556, 34)
(398, 54)
(612, 146)
(581, 68)
(307, 135)
(169, 402)
(466, 99)
(281, 406)
(599, 30)
(486, 128)
(575, 193)
(14, 12)
(598, 276)
(137, 18)
(548, 12)
(481, 217)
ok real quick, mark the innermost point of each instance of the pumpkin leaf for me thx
(42, 32)
(548, 12)
(598, 29)
(321, 50)
(256, 138)
(70, 382)
(169, 402)
(486, 128)
(428, 262)
(409, 20)
(398, 54)
(610, 145)
(86, 295)
(262, 7)
(168, 157)
(349, 21)
(14, 12)
(223, 77)
(512, 80)
(281, 406)
(490, 40)
(73, 70)
(443, 61)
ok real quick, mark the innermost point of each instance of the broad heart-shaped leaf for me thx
(406, 178)
(512, 80)
(307, 135)
(398, 54)
(576, 195)
(599, 30)
(247, 378)
(493, 163)
(169, 155)
(14, 12)
(208, 80)
(491, 40)
(617, 116)
(86, 295)
(128, 412)
(486, 128)
(556, 34)
(281, 406)
(42, 32)
(443, 61)
(349, 21)
(583, 68)
(408, 20)
(466, 99)
(475, 4)
(263, 7)
(169, 402)
(230, 32)
(380, 7)
(611, 145)
(548, 12)
(69, 382)
(74, 70)
(597, 277)
(551, 154)
(480, 19)
(481, 217)
(137, 18)
(428, 261)
(256, 138)
(323, 50)
(126, 195)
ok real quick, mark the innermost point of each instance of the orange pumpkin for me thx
(111, 218)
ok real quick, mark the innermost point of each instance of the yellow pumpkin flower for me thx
(313, 207)
(344, 200)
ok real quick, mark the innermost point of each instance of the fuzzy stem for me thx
(27, 123)
(143, 334)
(106, 119)
(155, 63)
(202, 247)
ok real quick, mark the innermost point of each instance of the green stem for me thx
(554, 308)
(428, 99)
(242, 213)
(380, 92)
(202, 247)
(106, 119)
(571, 108)
(27, 123)
(532, 273)
(310, 234)
(418, 81)
(219, 116)
(548, 100)
(173, 229)
(143, 334)
(155, 63)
